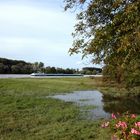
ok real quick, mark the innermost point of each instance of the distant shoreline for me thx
(3, 76)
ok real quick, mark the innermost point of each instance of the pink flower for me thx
(133, 116)
(137, 124)
(134, 131)
(113, 116)
(121, 124)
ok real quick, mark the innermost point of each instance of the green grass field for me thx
(26, 113)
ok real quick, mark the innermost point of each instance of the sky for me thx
(38, 30)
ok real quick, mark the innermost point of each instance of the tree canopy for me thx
(109, 30)
(8, 66)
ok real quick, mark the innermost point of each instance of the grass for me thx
(88, 107)
(25, 113)
(112, 90)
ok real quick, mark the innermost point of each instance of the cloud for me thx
(33, 17)
(17, 40)
(24, 21)
(34, 30)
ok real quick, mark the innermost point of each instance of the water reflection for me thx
(123, 105)
(102, 107)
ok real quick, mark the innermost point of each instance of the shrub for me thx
(124, 126)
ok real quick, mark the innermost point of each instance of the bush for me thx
(124, 127)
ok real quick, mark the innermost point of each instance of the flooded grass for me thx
(88, 107)
(86, 99)
(24, 114)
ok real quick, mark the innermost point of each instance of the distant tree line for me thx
(91, 71)
(8, 66)
(60, 70)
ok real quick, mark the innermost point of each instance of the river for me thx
(3, 76)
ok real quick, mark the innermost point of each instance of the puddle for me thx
(90, 103)
(94, 106)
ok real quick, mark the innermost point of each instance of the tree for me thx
(27, 69)
(53, 70)
(109, 30)
(16, 69)
(1, 68)
(38, 66)
(8, 66)
(60, 70)
(41, 64)
(48, 69)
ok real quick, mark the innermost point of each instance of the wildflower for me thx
(104, 125)
(134, 131)
(137, 124)
(133, 116)
(121, 124)
(127, 126)
(113, 116)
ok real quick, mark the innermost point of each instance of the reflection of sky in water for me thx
(104, 107)
(87, 98)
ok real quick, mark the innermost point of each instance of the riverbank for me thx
(25, 113)
(112, 90)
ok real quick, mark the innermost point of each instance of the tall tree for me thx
(38, 66)
(110, 31)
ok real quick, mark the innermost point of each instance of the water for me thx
(102, 107)
(3, 76)
(87, 98)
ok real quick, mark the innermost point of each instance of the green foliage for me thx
(38, 66)
(125, 126)
(8, 66)
(26, 113)
(60, 70)
(110, 31)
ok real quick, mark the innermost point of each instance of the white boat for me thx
(38, 74)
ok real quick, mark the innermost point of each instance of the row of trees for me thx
(110, 31)
(91, 71)
(60, 70)
(8, 66)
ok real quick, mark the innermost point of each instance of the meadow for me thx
(26, 113)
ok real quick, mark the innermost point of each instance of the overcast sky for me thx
(38, 30)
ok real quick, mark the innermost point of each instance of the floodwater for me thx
(102, 108)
